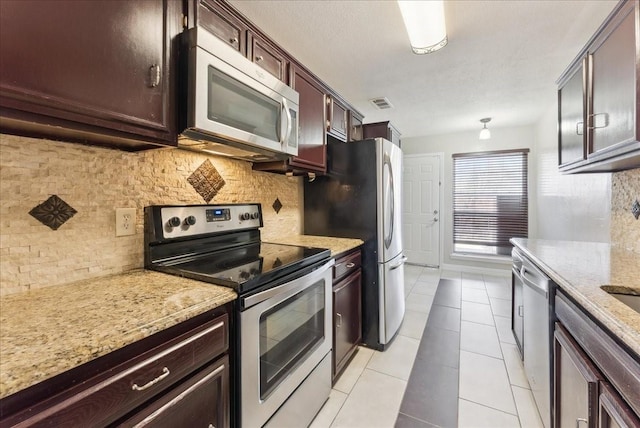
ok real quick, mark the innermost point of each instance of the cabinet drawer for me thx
(267, 57)
(346, 264)
(127, 386)
(202, 400)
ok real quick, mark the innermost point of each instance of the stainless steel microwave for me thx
(235, 108)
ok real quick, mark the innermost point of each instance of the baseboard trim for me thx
(505, 272)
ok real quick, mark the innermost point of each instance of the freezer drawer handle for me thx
(402, 261)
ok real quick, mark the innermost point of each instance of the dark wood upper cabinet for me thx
(220, 22)
(268, 57)
(337, 125)
(355, 126)
(598, 117)
(382, 130)
(312, 154)
(96, 72)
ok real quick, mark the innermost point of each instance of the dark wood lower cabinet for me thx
(596, 378)
(202, 401)
(576, 384)
(614, 412)
(347, 309)
(177, 377)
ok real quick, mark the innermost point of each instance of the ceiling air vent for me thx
(382, 103)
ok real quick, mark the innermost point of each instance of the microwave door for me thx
(233, 106)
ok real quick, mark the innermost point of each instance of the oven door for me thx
(285, 332)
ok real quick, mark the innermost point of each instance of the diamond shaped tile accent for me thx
(635, 209)
(53, 212)
(277, 205)
(206, 180)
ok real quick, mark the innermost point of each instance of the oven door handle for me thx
(288, 288)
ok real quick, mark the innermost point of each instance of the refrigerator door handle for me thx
(389, 238)
(402, 261)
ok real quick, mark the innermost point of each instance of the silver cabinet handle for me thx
(259, 58)
(154, 75)
(520, 311)
(578, 420)
(579, 128)
(350, 265)
(601, 124)
(338, 320)
(233, 40)
(165, 373)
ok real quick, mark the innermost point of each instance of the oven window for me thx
(288, 333)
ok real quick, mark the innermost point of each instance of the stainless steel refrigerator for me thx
(360, 197)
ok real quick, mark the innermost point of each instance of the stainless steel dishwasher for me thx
(536, 338)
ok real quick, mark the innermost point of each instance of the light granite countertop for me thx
(581, 268)
(337, 246)
(51, 330)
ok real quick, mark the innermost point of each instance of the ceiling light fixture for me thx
(485, 134)
(425, 25)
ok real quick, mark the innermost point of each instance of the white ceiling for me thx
(502, 60)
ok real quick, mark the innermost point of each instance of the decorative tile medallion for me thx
(277, 205)
(635, 209)
(206, 181)
(53, 212)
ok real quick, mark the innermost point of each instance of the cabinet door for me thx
(267, 57)
(312, 154)
(355, 127)
(614, 412)
(93, 63)
(201, 401)
(347, 307)
(337, 122)
(571, 115)
(613, 84)
(576, 382)
(222, 24)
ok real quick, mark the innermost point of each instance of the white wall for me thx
(574, 207)
(501, 139)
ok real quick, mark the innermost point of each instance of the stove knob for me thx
(190, 221)
(245, 216)
(244, 274)
(255, 215)
(174, 222)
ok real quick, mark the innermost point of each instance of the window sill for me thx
(502, 260)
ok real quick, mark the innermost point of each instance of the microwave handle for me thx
(286, 136)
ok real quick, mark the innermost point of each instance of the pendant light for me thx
(425, 24)
(485, 134)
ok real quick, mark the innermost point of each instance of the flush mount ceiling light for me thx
(485, 134)
(425, 24)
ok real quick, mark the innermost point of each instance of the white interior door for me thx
(421, 209)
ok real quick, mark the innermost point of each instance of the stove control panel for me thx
(190, 220)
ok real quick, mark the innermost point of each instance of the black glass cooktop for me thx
(247, 267)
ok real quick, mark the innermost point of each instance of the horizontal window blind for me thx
(490, 201)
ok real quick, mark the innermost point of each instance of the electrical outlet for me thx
(125, 221)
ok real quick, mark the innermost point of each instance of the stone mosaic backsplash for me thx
(96, 181)
(625, 228)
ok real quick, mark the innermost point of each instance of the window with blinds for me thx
(490, 201)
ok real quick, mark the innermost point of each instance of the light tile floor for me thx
(493, 389)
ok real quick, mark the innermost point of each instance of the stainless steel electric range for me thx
(283, 320)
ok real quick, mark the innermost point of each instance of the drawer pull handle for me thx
(350, 265)
(165, 373)
(339, 320)
(578, 420)
(259, 58)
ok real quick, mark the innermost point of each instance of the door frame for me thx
(440, 156)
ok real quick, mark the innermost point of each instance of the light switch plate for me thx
(125, 221)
